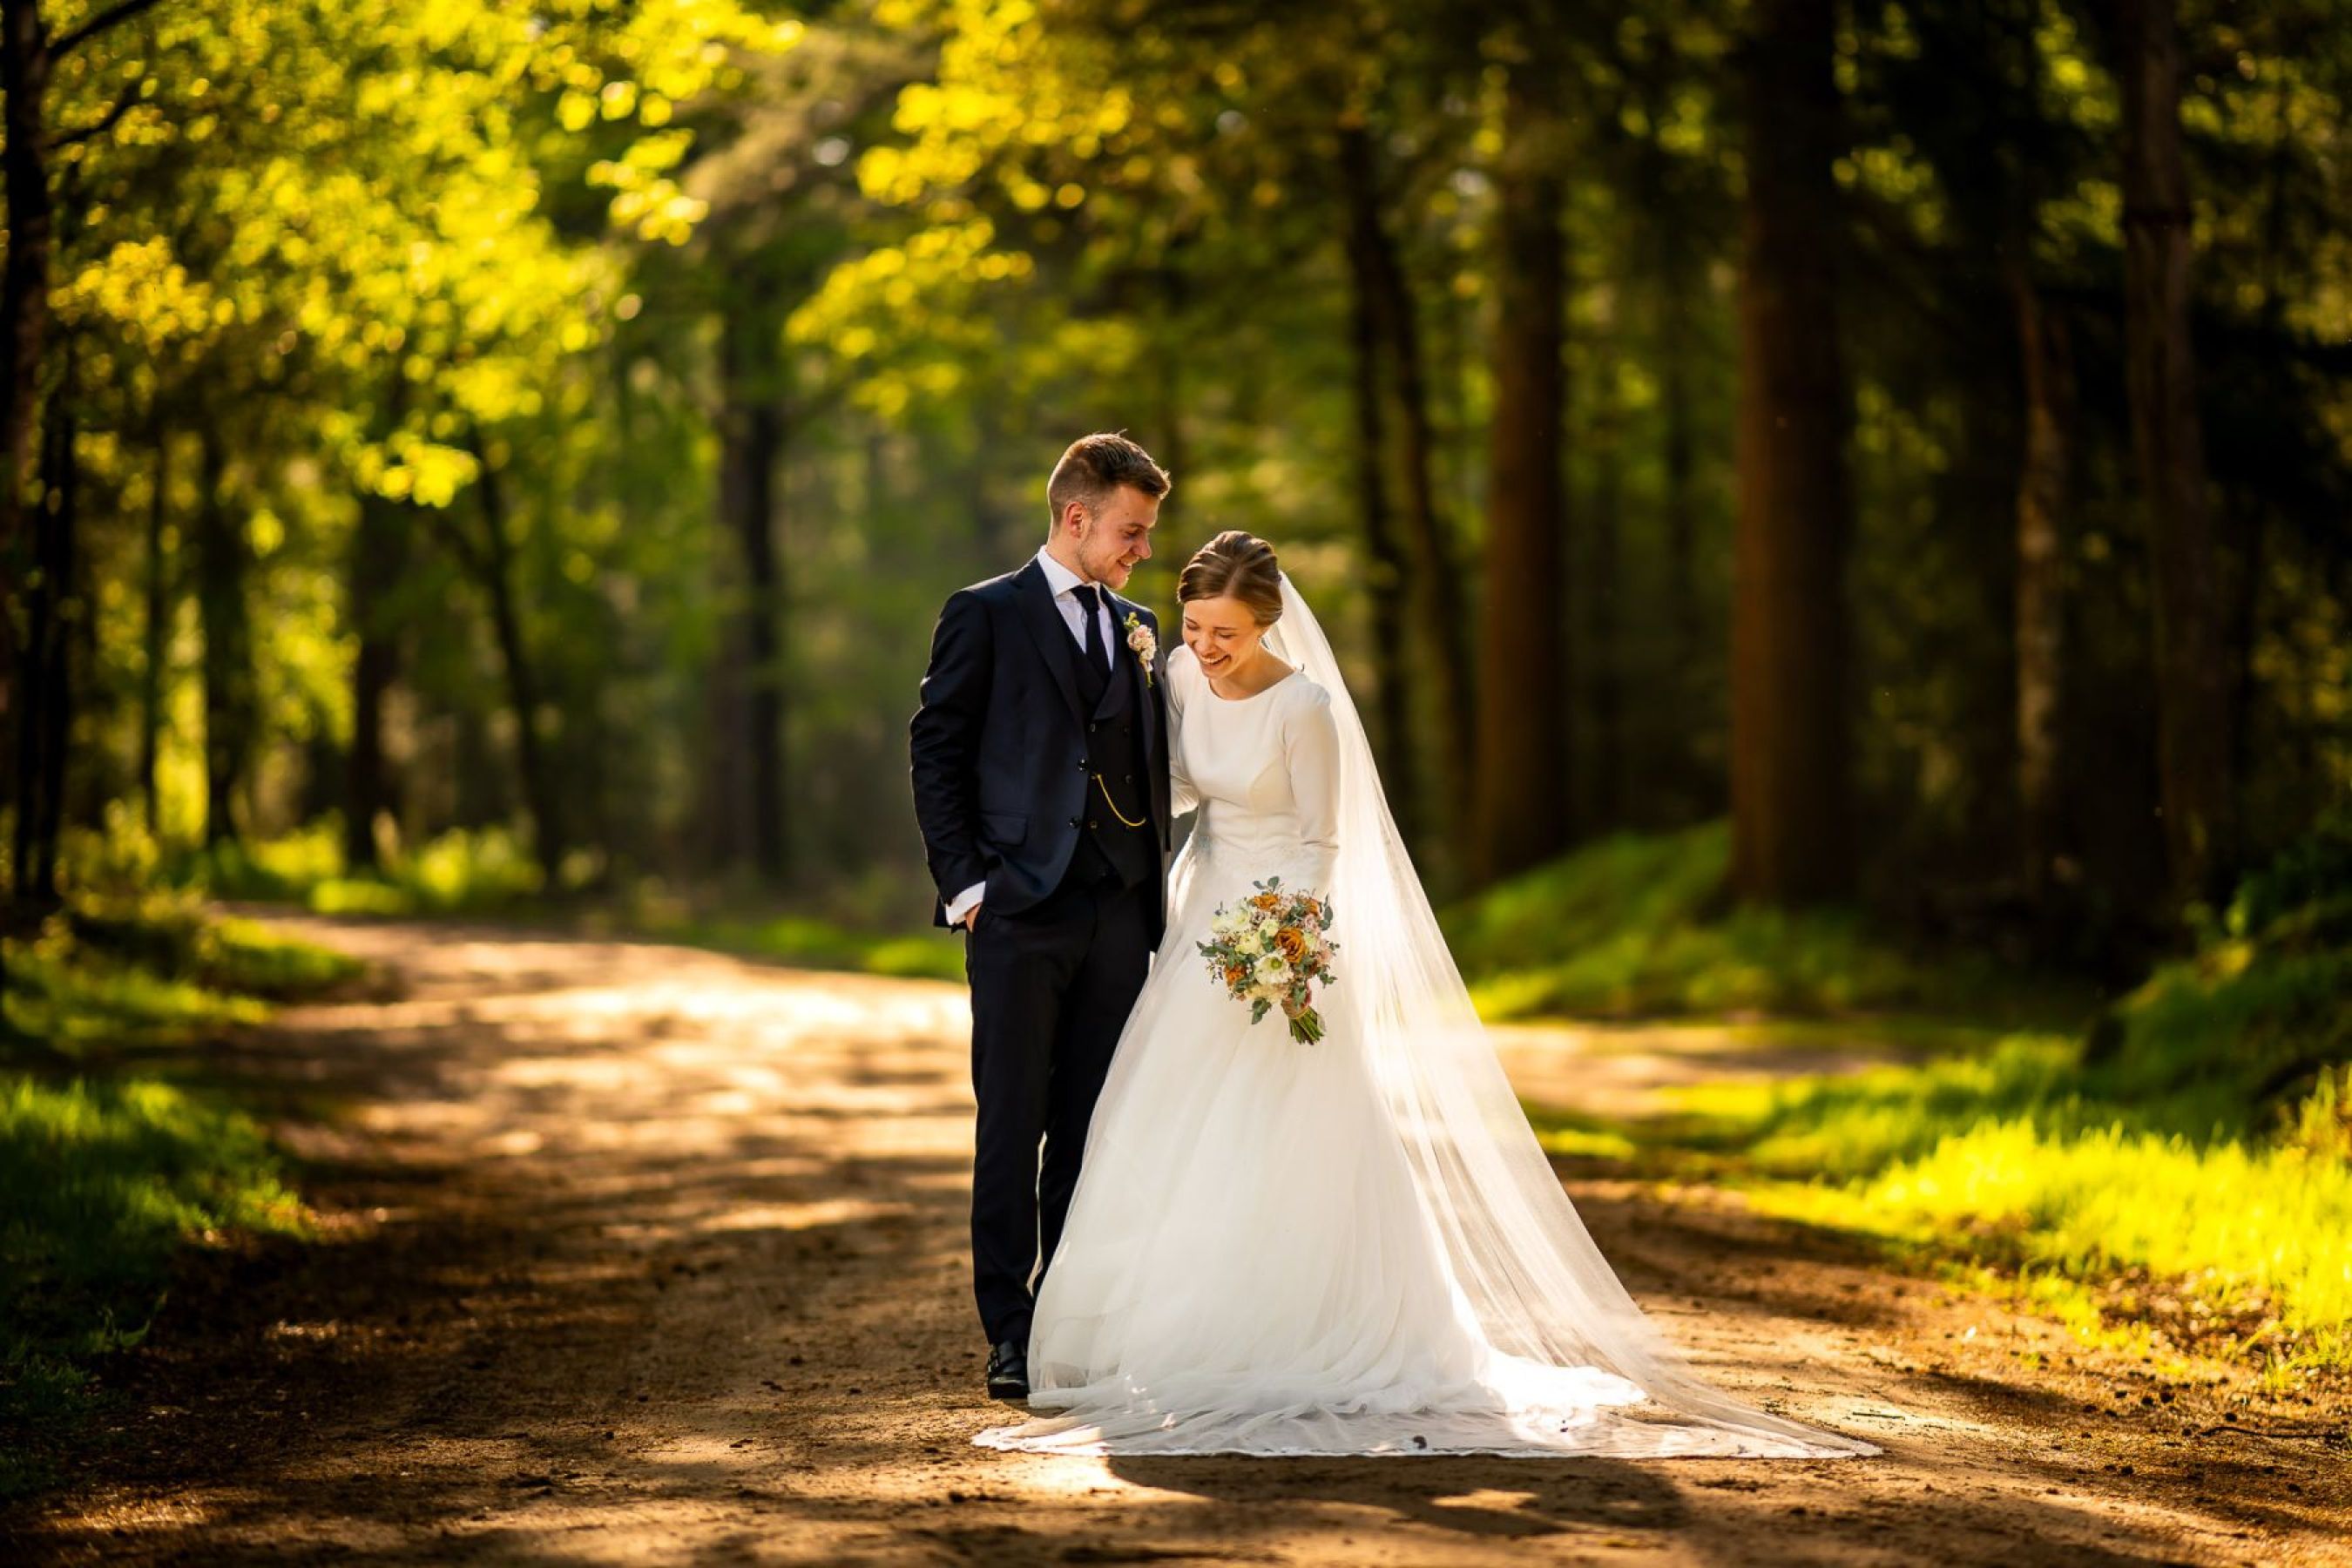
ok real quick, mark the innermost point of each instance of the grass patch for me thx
(1636, 925)
(105, 1181)
(115, 1152)
(2182, 1175)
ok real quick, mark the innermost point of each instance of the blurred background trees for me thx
(1917, 433)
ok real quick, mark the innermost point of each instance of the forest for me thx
(1833, 510)
(1916, 431)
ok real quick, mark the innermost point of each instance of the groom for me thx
(1040, 755)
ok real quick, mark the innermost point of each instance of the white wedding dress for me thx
(1354, 1247)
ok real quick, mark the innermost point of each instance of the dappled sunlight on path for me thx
(635, 1253)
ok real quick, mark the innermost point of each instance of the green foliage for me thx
(457, 871)
(2199, 1142)
(105, 1181)
(1633, 925)
(114, 1154)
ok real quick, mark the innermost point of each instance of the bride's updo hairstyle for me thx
(1239, 566)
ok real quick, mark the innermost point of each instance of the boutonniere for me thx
(1146, 646)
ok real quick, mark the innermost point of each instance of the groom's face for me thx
(1115, 535)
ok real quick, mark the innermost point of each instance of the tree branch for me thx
(124, 104)
(120, 12)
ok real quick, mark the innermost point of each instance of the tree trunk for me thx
(751, 432)
(2044, 482)
(2193, 680)
(228, 639)
(376, 562)
(1522, 793)
(1386, 573)
(1605, 762)
(25, 62)
(1790, 778)
(54, 612)
(154, 684)
(496, 569)
(1434, 586)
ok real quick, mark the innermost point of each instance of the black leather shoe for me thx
(1008, 1370)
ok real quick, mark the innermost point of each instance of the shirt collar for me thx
(1060, 578)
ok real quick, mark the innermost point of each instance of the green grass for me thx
(117, 1150)
(106, 1181)
(488, 872)
(1635, 925)
(2184, 1171)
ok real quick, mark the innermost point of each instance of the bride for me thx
(1352, 1247)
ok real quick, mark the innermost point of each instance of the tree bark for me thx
(2043, 483)
(1791, 763)
(496, 572)
(1434, 594)
(2195, 715)
(26, 58)
(1605, 764)
(1522, 792)
(54, 612)
(1386, 573)
(377, 562)
(228, 639)
(153, 682)
(751, 432)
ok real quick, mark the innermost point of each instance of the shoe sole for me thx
(1013, 1392)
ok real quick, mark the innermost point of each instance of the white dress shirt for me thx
(1064, 583)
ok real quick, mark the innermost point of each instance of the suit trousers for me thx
(1051, 989)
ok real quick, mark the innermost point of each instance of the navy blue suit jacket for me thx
(998, 744)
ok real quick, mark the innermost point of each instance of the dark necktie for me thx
(1090, 602)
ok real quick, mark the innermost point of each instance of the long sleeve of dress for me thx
(1182, 672)
(1310, 744)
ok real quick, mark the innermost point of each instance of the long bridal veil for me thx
(1520, 1252)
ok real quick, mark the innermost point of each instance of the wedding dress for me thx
(1353, 1247)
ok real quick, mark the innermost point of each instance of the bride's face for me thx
(1221, 633)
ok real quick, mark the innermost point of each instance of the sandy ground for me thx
(635, 1253)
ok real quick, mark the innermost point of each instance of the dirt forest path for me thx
(641, 1254)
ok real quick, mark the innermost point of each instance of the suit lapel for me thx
(1147, 694)
(1049, 631)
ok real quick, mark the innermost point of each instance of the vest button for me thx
(1082, 764)
(1091, 823)
(1073, 822)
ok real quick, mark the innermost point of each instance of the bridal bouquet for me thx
(1269, 950)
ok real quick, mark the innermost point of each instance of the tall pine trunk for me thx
(751, 432)
(1387, 573)
(1522, 796)
(154, 683)
(25, 68)
(2044, 482)
(496, 568)
(221, 571)
(376, 559)
(2195, 712)
(1432, 596)
(55, 614)
(1791, 763)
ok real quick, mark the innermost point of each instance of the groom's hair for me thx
(1096, 465)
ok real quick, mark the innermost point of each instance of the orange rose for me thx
(1267, 901)
(1234, 973)
(1292, 942)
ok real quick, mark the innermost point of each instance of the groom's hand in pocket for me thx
(971, 920)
